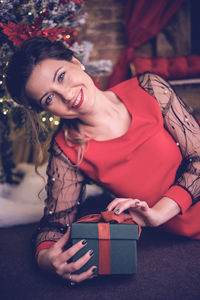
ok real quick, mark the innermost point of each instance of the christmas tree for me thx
(20, 20)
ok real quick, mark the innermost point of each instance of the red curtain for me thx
(143, 20)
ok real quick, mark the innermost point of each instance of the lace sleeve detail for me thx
(182, 125)
(65, 187)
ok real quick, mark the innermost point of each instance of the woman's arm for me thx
(185, 130)
(64, 188)
(142, 214)
(64, 191)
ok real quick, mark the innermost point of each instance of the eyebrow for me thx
(54, 78)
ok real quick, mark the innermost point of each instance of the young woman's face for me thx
(62, 88)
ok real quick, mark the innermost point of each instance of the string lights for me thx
(23, 19)
(20, 20)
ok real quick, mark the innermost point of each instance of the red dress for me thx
(143, 162)
(163, 137)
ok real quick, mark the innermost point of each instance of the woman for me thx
(138, 139)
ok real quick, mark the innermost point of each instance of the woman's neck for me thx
(110, 118)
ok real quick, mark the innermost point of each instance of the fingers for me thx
(69, 268)
(142, 204)
(119, 205)
(115, 202)
(63, 240)
(60, 262)
(89, 274)
(70, 252)
(77, 265)
(56, 260)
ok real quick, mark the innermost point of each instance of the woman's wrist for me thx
(165, 209)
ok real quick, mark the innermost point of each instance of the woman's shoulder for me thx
(147, 81)
(150, 81)
(58, 154)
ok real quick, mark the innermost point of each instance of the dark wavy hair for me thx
(20, 67)
(23, 61)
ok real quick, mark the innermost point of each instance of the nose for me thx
(66, 94)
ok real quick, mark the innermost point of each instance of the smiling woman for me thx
(60, 87)
(138, 139)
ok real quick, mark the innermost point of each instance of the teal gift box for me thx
(114, 246)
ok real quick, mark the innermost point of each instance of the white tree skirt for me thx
(20, 204)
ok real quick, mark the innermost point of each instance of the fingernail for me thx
(94, 270)
(84, 242)
(117, 211)
(91, 252)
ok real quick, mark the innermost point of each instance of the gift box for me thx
(114, 245)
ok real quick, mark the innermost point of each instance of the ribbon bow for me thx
(107, 216)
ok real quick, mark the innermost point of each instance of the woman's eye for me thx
(61, 77)
(49, 99)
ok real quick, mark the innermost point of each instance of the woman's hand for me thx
(55, 260)
(142, 214)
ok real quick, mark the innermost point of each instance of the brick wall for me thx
(105, 29)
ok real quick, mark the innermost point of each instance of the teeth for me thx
(77, 100)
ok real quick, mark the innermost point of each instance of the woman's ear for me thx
(77, 62)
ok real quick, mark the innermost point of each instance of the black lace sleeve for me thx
(182, 125)
(65, 188)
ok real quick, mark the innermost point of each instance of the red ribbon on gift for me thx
(103, 219)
